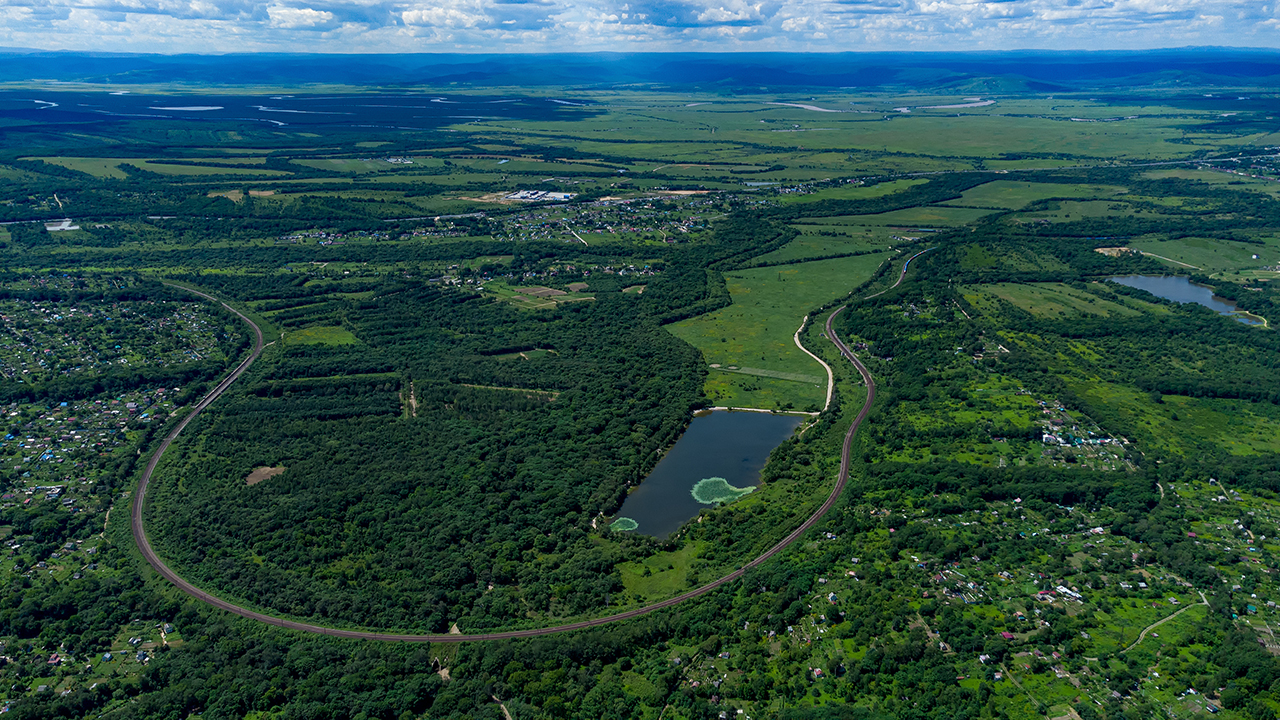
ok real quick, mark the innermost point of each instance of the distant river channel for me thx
(718, 459)
(1180, 289)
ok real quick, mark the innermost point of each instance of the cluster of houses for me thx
(59, 449)
(41, 339)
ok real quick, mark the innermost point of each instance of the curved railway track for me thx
(144, 545)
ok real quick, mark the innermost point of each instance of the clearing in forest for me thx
(263, 473)
(322, 335)
(756, 331)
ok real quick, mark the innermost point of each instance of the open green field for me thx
(756, 330)
(333, 335)
(1072, 210)
(927, 216)
(1013, 194)
(1049, 299)
(110, 167)
(361, 165)
(659, 575)
(1213, 255)
(824, 240)
(97, 167)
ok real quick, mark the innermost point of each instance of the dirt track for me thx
(144, 545)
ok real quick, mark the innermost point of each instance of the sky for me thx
(496, 26)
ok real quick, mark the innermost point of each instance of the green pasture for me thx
(985, 136)
(660, 575)
(1013, 194)
(992, 403)
(730, 389)
(825, 240)
(927, 216)
(321, 335)
(1213, 255)
(756, 330)
(1041, 134)
(1049, 300)
(1073, 210)
(199, 170)
(97, 167)
(110, 167)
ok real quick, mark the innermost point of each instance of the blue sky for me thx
(364, 26)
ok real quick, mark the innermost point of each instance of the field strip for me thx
(732, 408)
(831, 380)
(776, 374)
(552, 393)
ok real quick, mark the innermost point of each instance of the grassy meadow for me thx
(756, 331)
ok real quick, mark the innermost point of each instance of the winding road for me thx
(144, 545)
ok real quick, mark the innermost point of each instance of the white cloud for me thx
(294, 18)
(633, 25)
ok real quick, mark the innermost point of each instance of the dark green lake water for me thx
(730, 445)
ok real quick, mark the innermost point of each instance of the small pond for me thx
(1180, 289)
(718, 459)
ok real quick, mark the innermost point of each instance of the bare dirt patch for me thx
(262, 193)
(1116, 251)
(262, 473)
(540, 292)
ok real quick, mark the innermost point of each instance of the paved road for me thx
(144, 545)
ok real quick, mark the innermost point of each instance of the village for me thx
(1055, 604)
(68, 447)
(42, 339)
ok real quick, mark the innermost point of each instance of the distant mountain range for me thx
(988, 72)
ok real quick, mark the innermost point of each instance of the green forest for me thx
(1062, 502)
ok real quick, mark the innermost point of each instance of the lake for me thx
(721, 453)
(1180, 289)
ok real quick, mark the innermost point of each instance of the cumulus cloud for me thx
(634, 25)
(299, 17)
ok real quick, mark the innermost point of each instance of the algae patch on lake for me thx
(716, 490)
(624, 524)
